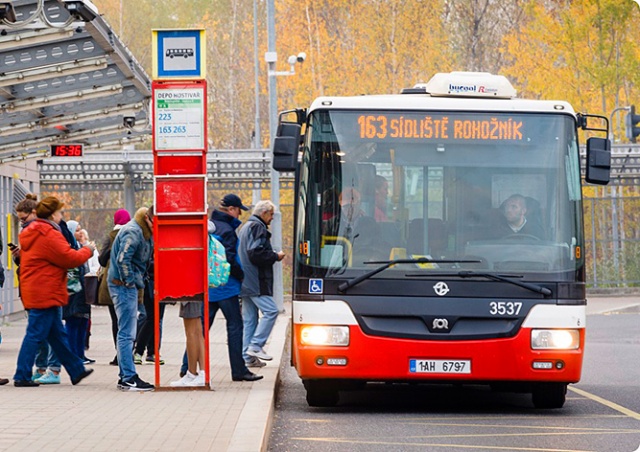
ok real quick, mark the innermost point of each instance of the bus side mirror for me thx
(286, 146)
(598, 161)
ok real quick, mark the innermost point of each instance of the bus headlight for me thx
(555, 339)
(325, 335)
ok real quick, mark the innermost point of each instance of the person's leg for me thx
(145, 334)
(162, 307)
(114, 325)
(269, 310)
(250, 322)
(213, 308)
(142, 316)
(72, 326)
(195, 344)
(59, 342)
(42, 359)
(231, 309)
(87, 335)
(53, 363)
(38, 325)
(125, 301)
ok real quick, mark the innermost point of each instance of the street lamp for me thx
(271, 57)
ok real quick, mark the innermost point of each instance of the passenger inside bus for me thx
(381, 197)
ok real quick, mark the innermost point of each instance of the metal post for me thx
(129, 190)
(257, 139)
(276, 224)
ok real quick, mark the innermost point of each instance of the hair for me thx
(48, 206)
(84, 233)
(263, 207)
(151, 211)
(28, 204)
(380, 181)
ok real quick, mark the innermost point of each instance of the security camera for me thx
(7, 13)
(301, 57)
(81, 9)
(129, 121)
(291, 60)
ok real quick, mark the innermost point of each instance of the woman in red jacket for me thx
(45, 256)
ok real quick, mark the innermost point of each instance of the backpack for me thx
(219, 268)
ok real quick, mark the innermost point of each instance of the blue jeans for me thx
(256, 332)
(230, 308)
(46, 357)
(125, 301)
(77, 332)
(46, 324)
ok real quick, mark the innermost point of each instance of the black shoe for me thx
(183, 373)
(82, 376)
(114, 362)
(3, 381)
(249, 376)
(86, 360)
(25, 383)
(135, 384)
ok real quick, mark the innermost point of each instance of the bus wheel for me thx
(321, 393)
(549, 395)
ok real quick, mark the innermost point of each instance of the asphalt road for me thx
(602, 412)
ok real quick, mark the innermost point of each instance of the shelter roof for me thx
(65, 77)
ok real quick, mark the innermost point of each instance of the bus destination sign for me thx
(385, 126)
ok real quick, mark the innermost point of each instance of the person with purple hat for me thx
(120, 218)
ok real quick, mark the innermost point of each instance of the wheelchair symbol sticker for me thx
(315, 286)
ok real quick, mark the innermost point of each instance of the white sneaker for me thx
(187, 380)
(260, 353)
(198, 380)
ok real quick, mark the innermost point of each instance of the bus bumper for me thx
(383, 359)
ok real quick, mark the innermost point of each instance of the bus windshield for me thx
(497, 192)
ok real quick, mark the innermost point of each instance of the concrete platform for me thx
(96, 416)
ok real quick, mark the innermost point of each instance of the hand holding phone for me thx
(12, 246)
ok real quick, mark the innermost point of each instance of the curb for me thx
(254, 424)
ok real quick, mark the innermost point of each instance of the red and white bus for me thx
(439, 238)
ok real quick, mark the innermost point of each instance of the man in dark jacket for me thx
(257, 257)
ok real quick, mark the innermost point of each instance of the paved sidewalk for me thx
(94, 415)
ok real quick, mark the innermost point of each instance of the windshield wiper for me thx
(386, 264)
(471, 274)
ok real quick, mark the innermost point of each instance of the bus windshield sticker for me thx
(315, 286)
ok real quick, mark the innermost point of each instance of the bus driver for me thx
(514, 210)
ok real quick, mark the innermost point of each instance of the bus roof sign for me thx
(469, 84)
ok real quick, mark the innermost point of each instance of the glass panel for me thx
(502, 190)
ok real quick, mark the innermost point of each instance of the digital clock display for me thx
(66, 150)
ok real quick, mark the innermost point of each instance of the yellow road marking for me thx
(447, 446)
(605, 402)
(492, 418)
(541, 427)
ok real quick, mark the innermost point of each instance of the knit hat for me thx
(47, 206)
(121, 217)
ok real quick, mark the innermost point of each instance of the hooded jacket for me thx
(45, 257)
(257, 257)
(131, 252)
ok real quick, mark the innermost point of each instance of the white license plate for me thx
(440, 366)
